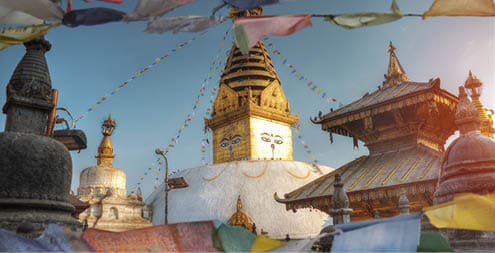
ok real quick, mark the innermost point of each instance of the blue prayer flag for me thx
(396, 234)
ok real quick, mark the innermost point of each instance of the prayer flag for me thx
(108, 1)
(466, 211)
(433, 242)
(42, 9)
(249, 30)
(356, 20)
(12, 36)
(249, 4)
(461, 8)
(182, 24)
(10, 16)
(396, 234)
(234, 239)
(263, 244)
(154, 8)
(92, 16)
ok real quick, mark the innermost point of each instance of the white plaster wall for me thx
(213, 190)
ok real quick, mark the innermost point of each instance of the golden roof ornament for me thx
(240, 218)
(474, 87)
(395, 73)
(105, 150)
(466, 116)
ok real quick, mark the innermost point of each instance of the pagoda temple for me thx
(404, 124)
(252, 156)
(103, 188)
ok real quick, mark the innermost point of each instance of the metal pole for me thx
(160, 152)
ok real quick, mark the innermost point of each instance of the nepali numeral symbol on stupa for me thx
(272, 139)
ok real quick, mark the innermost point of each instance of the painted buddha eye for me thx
(224, 143)
(265, 137)
(278, 139)
(236, 139)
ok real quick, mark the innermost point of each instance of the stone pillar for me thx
(340, 212)
(35, 170)
(403, 203)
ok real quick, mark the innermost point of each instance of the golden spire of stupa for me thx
(105, 150)
(395, 73)
(253, 70)
(474, 86)
(250, 102)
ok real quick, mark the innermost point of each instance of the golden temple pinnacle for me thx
(395, 73)
(105, 150)
(474, 86)
(251, 116)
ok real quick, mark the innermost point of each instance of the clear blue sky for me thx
(88, 62)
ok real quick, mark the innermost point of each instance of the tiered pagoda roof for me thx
(405, 125)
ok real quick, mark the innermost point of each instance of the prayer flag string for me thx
(310, 84)
(208, 112)
(159, 164)
(297, 131)
(214, 68)
(138, 74)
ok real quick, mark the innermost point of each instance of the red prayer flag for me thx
(249, 30)
(108, 1)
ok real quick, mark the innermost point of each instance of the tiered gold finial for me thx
(240, 218)
(395, 73)
(105, 150)
(466, 116)
(474, 86)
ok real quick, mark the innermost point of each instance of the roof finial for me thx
(466, 116)
(474, 87)
(105, 150)
(240, 218)
(395, 73)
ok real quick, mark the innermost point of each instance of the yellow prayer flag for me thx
(466, 211)
(17, 35)
(461, 8)
(263, 244)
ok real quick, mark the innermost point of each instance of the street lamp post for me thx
(160, 152)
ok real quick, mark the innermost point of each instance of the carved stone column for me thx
(340, 211)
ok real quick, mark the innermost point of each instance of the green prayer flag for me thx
(433, 242)
(357, 20)
(241, 39)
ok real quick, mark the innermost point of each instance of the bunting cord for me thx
(138, 74)
(297, 131)
(310, 84)
(214, 68)
(209, 111)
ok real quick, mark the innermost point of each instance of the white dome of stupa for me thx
(213, 191)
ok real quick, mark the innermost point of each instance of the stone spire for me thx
(36, 170)
(474, 87)
(395, 73)
(105, 150)
(29, 91)
(340, 203)
(403, 203)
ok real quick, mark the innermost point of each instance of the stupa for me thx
(252, 156)
(103, 187)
